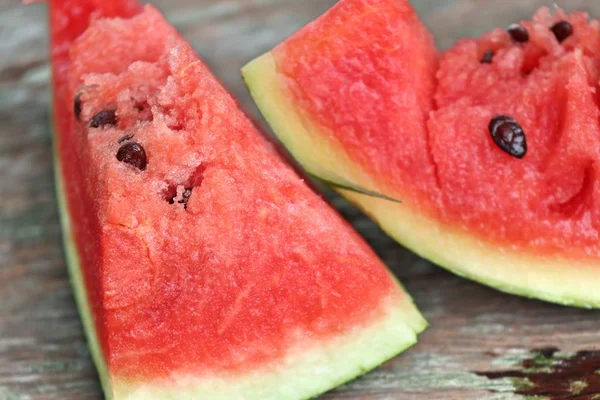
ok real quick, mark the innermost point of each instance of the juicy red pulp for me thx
(528, 184)
(81, 208)
(545, 84)
(181, 213)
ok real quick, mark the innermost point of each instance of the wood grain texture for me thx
(43, 355)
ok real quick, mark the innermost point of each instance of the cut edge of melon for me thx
(77, 282)
(545, 277)
(302, 375)
(306, 372)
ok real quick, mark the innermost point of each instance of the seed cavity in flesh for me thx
(104, 118)
(133, 153)
(488, 57)
(518, 33)
(508, 135)
(77, 106)
(187, 193)
(562, 30)
(185, 196)
(125, 138)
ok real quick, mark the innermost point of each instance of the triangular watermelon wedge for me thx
(203, 266)
(492, 147)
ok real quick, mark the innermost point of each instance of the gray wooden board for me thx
(474, 330)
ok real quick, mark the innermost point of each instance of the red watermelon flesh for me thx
(367, 94)
(364, 85)
(203, 265)
(549, 200)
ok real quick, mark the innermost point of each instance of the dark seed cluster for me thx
(104, 118)
(508, 135)
(133, 153)
(505, 131)
(562, 30)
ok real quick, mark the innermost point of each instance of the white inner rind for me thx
(305, 373)
(546, 277)
(308, 370)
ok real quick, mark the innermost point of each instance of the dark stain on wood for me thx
(554, 376)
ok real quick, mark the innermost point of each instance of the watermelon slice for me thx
(492, 146)
(203, 266)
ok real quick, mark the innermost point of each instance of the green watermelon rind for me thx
(77, 282)
(300, 377)
(538, 277)
(545, 277)
(366, 349)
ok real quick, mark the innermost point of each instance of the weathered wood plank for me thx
(475, 330)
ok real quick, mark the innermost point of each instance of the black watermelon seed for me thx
(508, 135)
(104, 118)
(562, 30)
(518, 33)
(488, 57)
(185, 197)
(133, 153)
(125, 138)
(77, 106)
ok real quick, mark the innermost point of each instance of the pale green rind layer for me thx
(300, 376)
(77, 281)
(563, 281)
(308, 371)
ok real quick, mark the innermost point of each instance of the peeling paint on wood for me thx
(43, 354)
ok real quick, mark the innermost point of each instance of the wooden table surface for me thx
(482, 344)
